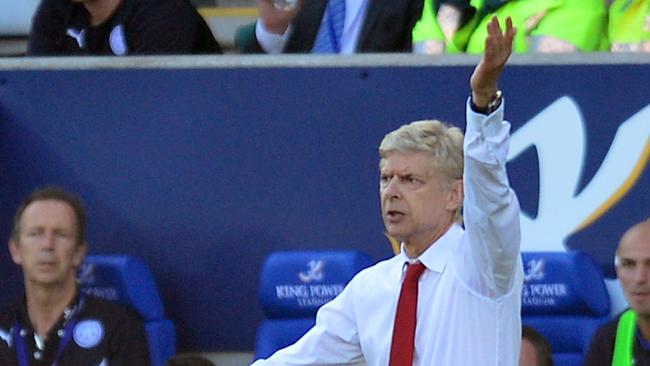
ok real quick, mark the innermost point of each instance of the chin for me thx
(642, 310)
(400, 237)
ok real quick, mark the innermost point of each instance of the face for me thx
(415, 205)
(528, 355)
(633, 268)
(47, 247)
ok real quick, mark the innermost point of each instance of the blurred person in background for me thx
(444, 27)
(119, 27)
(549, 26)
(54, 323)
(334, 26)
(629, 26)
(535, 349)
(625, 341)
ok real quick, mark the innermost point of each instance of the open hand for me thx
(498, 47)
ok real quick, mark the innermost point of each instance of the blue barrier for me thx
(204, 172)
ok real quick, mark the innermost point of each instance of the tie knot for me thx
(414, 271)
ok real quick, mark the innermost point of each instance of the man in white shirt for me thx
(468, 294)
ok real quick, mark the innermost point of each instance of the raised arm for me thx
(491, 210)
(498, 47)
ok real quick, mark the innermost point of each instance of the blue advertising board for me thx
(204, 172)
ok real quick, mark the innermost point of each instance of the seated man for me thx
(335, 26)
(535, 349)
(119, 27)
(54, 324)
(625, 340)
(452, 296)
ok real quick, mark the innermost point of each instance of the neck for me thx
(46, 304)
(101, 10)
(415, 248)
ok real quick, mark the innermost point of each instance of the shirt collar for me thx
(23, 317)
(436, 257)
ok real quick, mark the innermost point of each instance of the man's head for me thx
(48, 236)
(535, 349)
(421, 186)
(633, 267)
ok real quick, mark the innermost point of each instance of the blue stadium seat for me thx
(564, 298)
(127, 280)
(293, 285)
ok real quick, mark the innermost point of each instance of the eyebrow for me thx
(618, 259)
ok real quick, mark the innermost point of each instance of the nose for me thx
(49, 240)
(391, 189)
(641, 275)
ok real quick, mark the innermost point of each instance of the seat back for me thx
(564, 297)
(128, 281)
(293, 286)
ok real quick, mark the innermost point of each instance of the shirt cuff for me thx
(491, 125)
(270, 42)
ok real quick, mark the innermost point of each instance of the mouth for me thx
(394, 215)
(640, 295)
(46, 264)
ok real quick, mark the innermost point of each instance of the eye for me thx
(411, 181)
(384, 179)
(62, 234)
(626, 263)
(32, 233)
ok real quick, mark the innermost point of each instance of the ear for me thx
(616, 263)
(455, 195)
(15, 253)
(79, 254)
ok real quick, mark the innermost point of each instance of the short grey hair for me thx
(443, 143)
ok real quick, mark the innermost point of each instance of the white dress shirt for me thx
(355, 14)
(469, 298)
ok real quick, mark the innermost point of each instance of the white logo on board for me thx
(534, 270)
(558, 134)
(314, 272)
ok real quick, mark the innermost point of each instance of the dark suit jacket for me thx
(386, 28)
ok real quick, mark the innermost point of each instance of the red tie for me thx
(401, 350)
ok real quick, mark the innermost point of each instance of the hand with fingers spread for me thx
(276, 20)
(498, 47)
